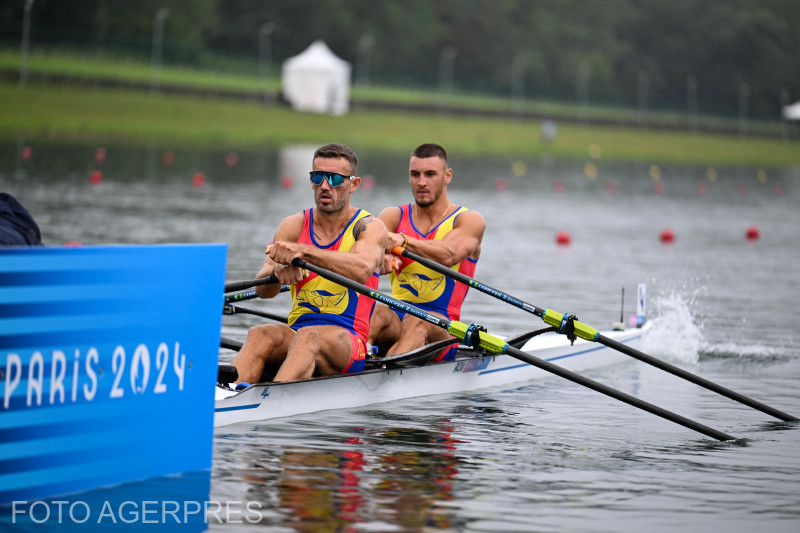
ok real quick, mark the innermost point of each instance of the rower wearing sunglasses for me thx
(435, 228)
(328, 324)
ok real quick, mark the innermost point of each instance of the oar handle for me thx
(242, 285)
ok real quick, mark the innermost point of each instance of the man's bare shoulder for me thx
(290, 227)
(471, 217)
(368, 223)
(391, 217)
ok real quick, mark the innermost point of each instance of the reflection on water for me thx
(384, 473)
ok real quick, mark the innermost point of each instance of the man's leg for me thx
(316, 351)
(265, 348)
(384, 328)
(416, 333)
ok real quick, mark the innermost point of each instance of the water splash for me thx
(675, 334)
(678, 334)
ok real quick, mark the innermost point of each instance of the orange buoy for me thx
(563, 238)
(667, 235)
(199, 179)
(752, 233)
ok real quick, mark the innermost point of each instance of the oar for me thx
(237, 310)
(247, 295)
(473, 336)
(242, 285)
(240, 296)
(590, 334)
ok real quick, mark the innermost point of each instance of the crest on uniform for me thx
(321, 301)
(420, 284)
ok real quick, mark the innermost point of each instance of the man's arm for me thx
(390, 217)
(288, 231)
(462, 242)
(365, 256)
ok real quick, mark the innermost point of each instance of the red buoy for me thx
(500, 185)
(287, 182)
(779, 189)
(27, 153)
(231, 158)
(658, 187)
(611, 187)
(169, 157)
(752, 233)
(199, 179)
(96, 177)
(667, 235)
(701, 188)
(742, 189)
(563, 238)
(100, 155)
(368, 182)
(558, 186)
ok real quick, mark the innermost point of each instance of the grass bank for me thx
(67, 112)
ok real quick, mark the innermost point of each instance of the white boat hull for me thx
(277, 400)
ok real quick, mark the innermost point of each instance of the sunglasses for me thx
(334, 179)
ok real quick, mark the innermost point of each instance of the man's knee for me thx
(262, 339)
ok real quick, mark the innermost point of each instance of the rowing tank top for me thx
(421, 286)
(319, 302)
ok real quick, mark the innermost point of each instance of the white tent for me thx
(317, 81)
(792, 112)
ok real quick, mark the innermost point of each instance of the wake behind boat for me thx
(472, 369)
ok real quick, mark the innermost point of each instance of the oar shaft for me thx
(494, 344)
(240, 296)
(586, 332)
(710, 385)
(242, 285)
(463, 278)
(616, 394)
(236, 310)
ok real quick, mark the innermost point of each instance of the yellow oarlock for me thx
(581, 330)
(490, 343)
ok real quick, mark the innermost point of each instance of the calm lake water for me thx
(547, 456)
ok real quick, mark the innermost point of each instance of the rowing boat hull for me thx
(277, 400)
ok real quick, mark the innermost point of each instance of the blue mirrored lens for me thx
(318, 176)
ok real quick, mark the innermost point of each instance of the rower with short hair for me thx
(437, 229)
(328, 324)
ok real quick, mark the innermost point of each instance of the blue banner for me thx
(108, 359)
